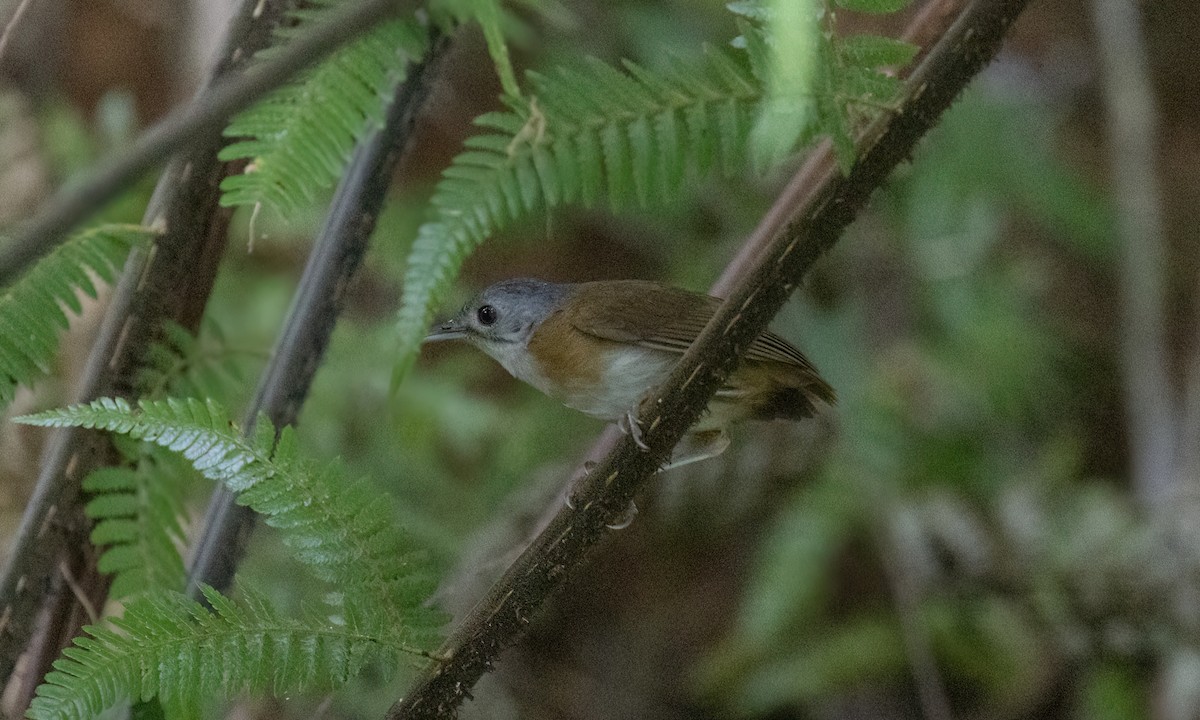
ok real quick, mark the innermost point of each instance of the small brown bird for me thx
(600, 347)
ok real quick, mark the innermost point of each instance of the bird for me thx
(601, 347)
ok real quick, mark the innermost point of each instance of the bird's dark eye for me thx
(487, 315)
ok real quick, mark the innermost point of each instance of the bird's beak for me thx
(450, 330)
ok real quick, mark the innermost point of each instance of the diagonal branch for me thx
(183, 129)
(501, 617)
(10, 27)
(924, 30)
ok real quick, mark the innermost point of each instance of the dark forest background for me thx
(998, 520)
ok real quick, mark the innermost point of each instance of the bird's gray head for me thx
(504, 314)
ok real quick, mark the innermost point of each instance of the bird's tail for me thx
(776, 390)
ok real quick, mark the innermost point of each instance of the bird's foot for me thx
(630, 425)
(576, 482)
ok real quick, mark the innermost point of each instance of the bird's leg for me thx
(698, 446)
(630, 426)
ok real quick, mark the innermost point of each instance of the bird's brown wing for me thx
(663, 318)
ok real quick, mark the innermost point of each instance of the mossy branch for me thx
(501, 617)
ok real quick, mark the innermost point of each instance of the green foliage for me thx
(138, 507)
(816, 82)
(169, 647)
(173, 648)
(300, 137)
(137, 511)
(859, 651)
(340, 529)
(790, 579)
(972, 489)
(32, 311)
(1112, 692)
(794, 47)
(632, 136)
(183, 365)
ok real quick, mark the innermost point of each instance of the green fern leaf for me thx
(873, 51)
(791, 76)
(173, 648)
(340, 529)
(137, 511)
(300, 137)
(184, 365)
(33, 311)
(138, 508)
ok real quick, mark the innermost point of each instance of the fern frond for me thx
(137, 511)
(138, 508)
(339, 528)
(181, 364)
(790, 76)
(300, 137)
(33, 310)
(171, 647)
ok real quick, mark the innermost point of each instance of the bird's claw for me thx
(625, 519)
(630, 426)
(569, 493)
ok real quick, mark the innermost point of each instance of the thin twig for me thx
(182, 129)
(315, 309)
(510, 605)
(11, 26)
(77, 590)
(1132, 126)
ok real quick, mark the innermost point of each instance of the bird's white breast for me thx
(519, 363)
(630, 372)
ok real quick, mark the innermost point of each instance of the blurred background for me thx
(998, 520)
